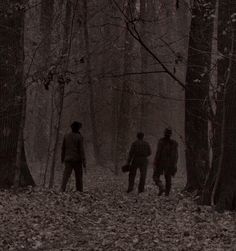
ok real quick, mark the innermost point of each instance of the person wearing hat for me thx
(73, 156)
(165, 162)
(138, 154)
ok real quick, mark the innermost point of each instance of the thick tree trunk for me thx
(46, 23)
(22, 176)
(46, 27)
(66, 49)
(224, 41)
(13, 166)
(224, 193)
(197, 93)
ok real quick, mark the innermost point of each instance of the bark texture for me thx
(197, 93)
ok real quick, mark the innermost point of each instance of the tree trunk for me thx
(46, 23)
(22, 176)
(90, 86)
(144, 61)
(116, 62)
(197, 93)
(224, 192)
(46, 27)
(224, 41)
(123, 127)
(49, 149)
(13, 166)
(61, 80)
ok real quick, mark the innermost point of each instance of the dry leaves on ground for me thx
(106, 218)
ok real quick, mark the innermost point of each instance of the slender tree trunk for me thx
(88, 66)
(49, 149)
(123, 127)
(116, 67)
(197, 93)
(144, 61)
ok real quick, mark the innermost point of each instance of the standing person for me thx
(138, 154)
(73, 156)
(165, 161)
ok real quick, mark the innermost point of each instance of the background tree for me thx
(221, 181)
(13, 161)
(197, 92)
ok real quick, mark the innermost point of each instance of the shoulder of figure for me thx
(161, 140)
(146, 143)
(67, 135)
(160, 143)
(135, 143)
(174, 142)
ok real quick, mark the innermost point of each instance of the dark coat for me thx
(73, 148)
(139, 152)
(166, 157)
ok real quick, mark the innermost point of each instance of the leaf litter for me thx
(106, 218)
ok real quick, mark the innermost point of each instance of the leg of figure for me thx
(142, 180)
(168, 184)
(79, 176)
(66, 175)
(132, 175)
(158, 182)
(157, 179)
(160, 186)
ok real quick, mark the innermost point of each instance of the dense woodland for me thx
(119, 67)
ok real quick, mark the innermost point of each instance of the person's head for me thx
(75, 126)
(168, 132)
(140, 135)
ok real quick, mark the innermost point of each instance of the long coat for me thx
(139, 152)
(73, 148)
(166, 157)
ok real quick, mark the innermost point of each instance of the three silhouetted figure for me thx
(165, 162)
(73, 156)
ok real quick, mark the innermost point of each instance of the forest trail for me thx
(106, 218)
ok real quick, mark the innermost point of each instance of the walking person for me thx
(138, 159)
(165, 162)
(73, 156)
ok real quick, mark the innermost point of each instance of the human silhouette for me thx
(165, 162)
(73, 156)
(138, 159)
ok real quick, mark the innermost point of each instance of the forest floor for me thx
(104, 217)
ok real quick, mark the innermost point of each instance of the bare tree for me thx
(123, 127)
(14, 169)
(197, 93)
(62, 79)
(92, 105)
(221, 184)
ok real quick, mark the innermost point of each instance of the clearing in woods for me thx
(106, 218)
